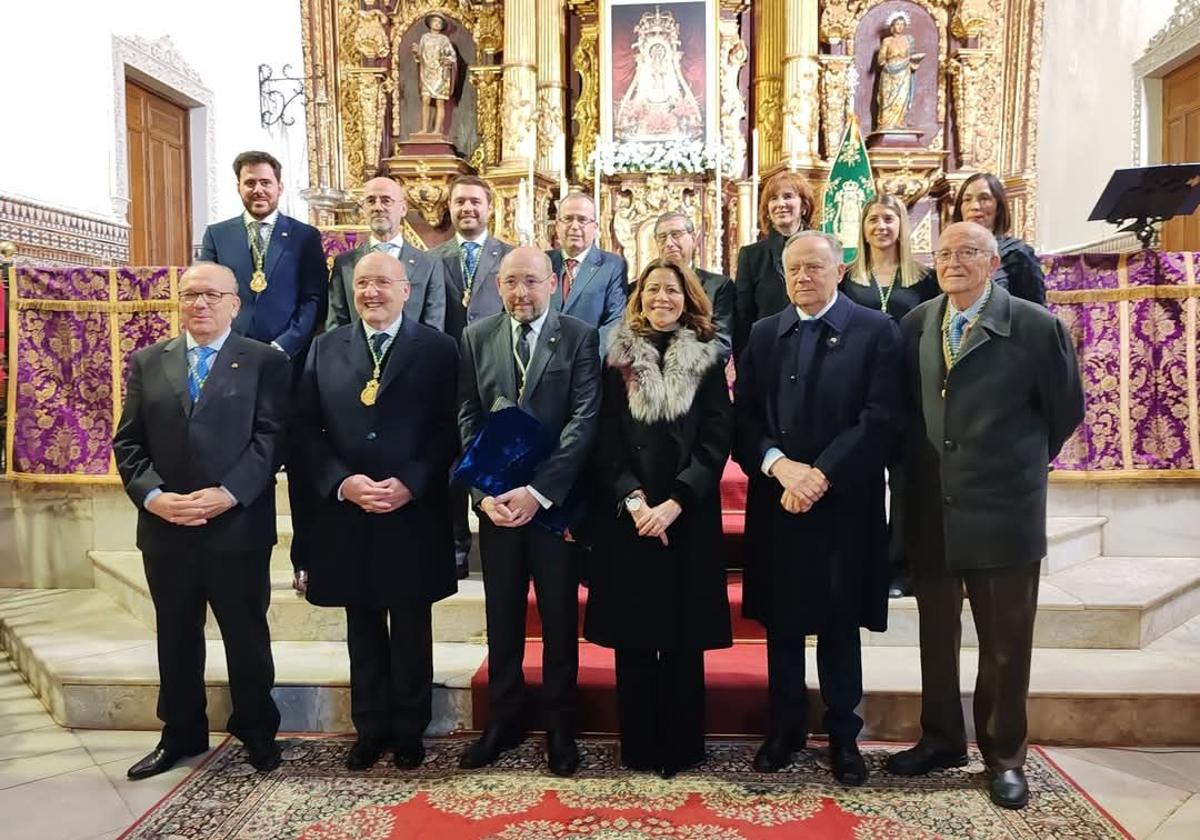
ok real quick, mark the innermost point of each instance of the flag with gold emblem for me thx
(851, 185)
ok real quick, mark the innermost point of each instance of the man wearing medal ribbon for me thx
(376, 424)
(470, 262)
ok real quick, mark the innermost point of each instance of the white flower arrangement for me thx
(677, 157)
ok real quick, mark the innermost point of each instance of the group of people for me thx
(946, 381)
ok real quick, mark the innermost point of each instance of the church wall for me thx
(57, 86)
(1086, 109)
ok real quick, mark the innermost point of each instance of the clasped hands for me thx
(191, 509)
(654, 521)
(803, 485)
(376, 496)
(512, 509)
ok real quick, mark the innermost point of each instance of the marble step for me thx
(1071, 540)
(121, 575)
(94, 666)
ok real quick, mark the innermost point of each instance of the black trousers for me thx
(238, 586)
(1004, 605)
(839, 668)
(510, 557)
(460, 500)
(660, 701)
(391, 671)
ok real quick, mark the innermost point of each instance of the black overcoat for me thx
(405, 557)
(643, 594)
(831, 399)
(760, 285)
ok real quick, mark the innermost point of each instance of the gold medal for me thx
(258, 282)
(466, 300)
(369, 392)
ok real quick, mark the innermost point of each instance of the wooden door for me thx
(1181, 144)
(160, 207)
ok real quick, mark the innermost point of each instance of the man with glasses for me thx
(383, 208)
(197, 446)
(993, 393)
(548, 364)
(675, 238)
(591, 283)
(376, 423)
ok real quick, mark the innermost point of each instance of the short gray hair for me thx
(835, 244)
(676, 214)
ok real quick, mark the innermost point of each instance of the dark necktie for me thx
(470, 262)
(522, 353)
(378, 341)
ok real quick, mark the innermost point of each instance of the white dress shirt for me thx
(370, 332)
(532, 339)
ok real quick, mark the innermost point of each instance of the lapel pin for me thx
(832, 341)
(235, 364)
(283, 233)
(411, 261)
(553, 339)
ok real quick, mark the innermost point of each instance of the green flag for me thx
(850, 187)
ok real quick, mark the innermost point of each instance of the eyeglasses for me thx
(582, 221)
(963, 255)
(673, 235)
(381, 200)
(511, 284)
(211, 298)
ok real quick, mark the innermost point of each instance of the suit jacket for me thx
(976, 460)
(426, 303)
(760, 285)
(402, 557)
(1020, 270)
(562, 390)
(485, 294)
(598, 292)
(827, 395)
(231, 437)
(293, 305)
(721, 294)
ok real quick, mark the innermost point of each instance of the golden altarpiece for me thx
(678, 104)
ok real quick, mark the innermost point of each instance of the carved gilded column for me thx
(551, 93)
(768, 80)
(487, 80)
(733, 54)
(975, 118)
(838, 81)
(586, 115)
(518, 145)
(800, 72)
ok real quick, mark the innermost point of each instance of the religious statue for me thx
(897, 66)
(436, 62)
(659, 103)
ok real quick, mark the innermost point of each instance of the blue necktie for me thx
(198, 361)
(957, 324)
(470, 261)
(386, 248)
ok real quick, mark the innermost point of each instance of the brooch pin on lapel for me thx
(233, 364)
(832, 341)
(283, 233)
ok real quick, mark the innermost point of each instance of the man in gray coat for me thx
(384, 207)
(675, 239)
(993, 393)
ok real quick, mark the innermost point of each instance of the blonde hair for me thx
(910, 270)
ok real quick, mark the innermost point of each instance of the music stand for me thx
(1148, 195)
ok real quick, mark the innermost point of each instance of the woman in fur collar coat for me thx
(657, 588)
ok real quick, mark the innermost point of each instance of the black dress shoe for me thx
(410, 752)
(363, 754)
(847, 763)
(776, 752)
(919, 760)
(487, 749)
(264, 756)
(158, 760)
(1008, 788)
(562, 755)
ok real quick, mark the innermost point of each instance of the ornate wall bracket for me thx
(586, 114)
(839, 78)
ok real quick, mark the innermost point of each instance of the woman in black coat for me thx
(786, 206)
(657, 587)
(982, 200)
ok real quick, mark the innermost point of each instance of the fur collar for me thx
(661, 393)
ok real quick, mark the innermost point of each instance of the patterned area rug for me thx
(312, 797)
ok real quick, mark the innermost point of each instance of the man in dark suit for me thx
(591, 283)
(197, 446)
(470, 262)
(549, 365)
(376, 422)
(384, 208)
(817, 403)
(993, 393)
(675, 238)
(278, 261)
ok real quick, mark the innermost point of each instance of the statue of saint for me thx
(659, 103)
(897, 66)
(436, 62)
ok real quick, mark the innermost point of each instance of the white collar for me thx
(269, 221)
(535, 326)
(216, 344)
(479, 240)
(397, 240)
(583, 255)
(391, 329)
(804, 316)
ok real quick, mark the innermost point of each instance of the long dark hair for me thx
(1003, 222)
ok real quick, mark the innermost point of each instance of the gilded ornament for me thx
(427, 196)
(370, 38)
(549, 120)
(487, 98)
(971, 20)
(733, 107)
(587, 106)
(839, 79)
(770, 123)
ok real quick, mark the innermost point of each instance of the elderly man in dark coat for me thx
(817, 403)
(377, 424)
(993, 393)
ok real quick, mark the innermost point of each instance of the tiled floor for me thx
(1155, 794)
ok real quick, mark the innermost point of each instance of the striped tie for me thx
(198, 361)
(957, 324)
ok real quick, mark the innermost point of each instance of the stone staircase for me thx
(1116, 660)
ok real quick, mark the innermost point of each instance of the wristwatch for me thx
(633, 502)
